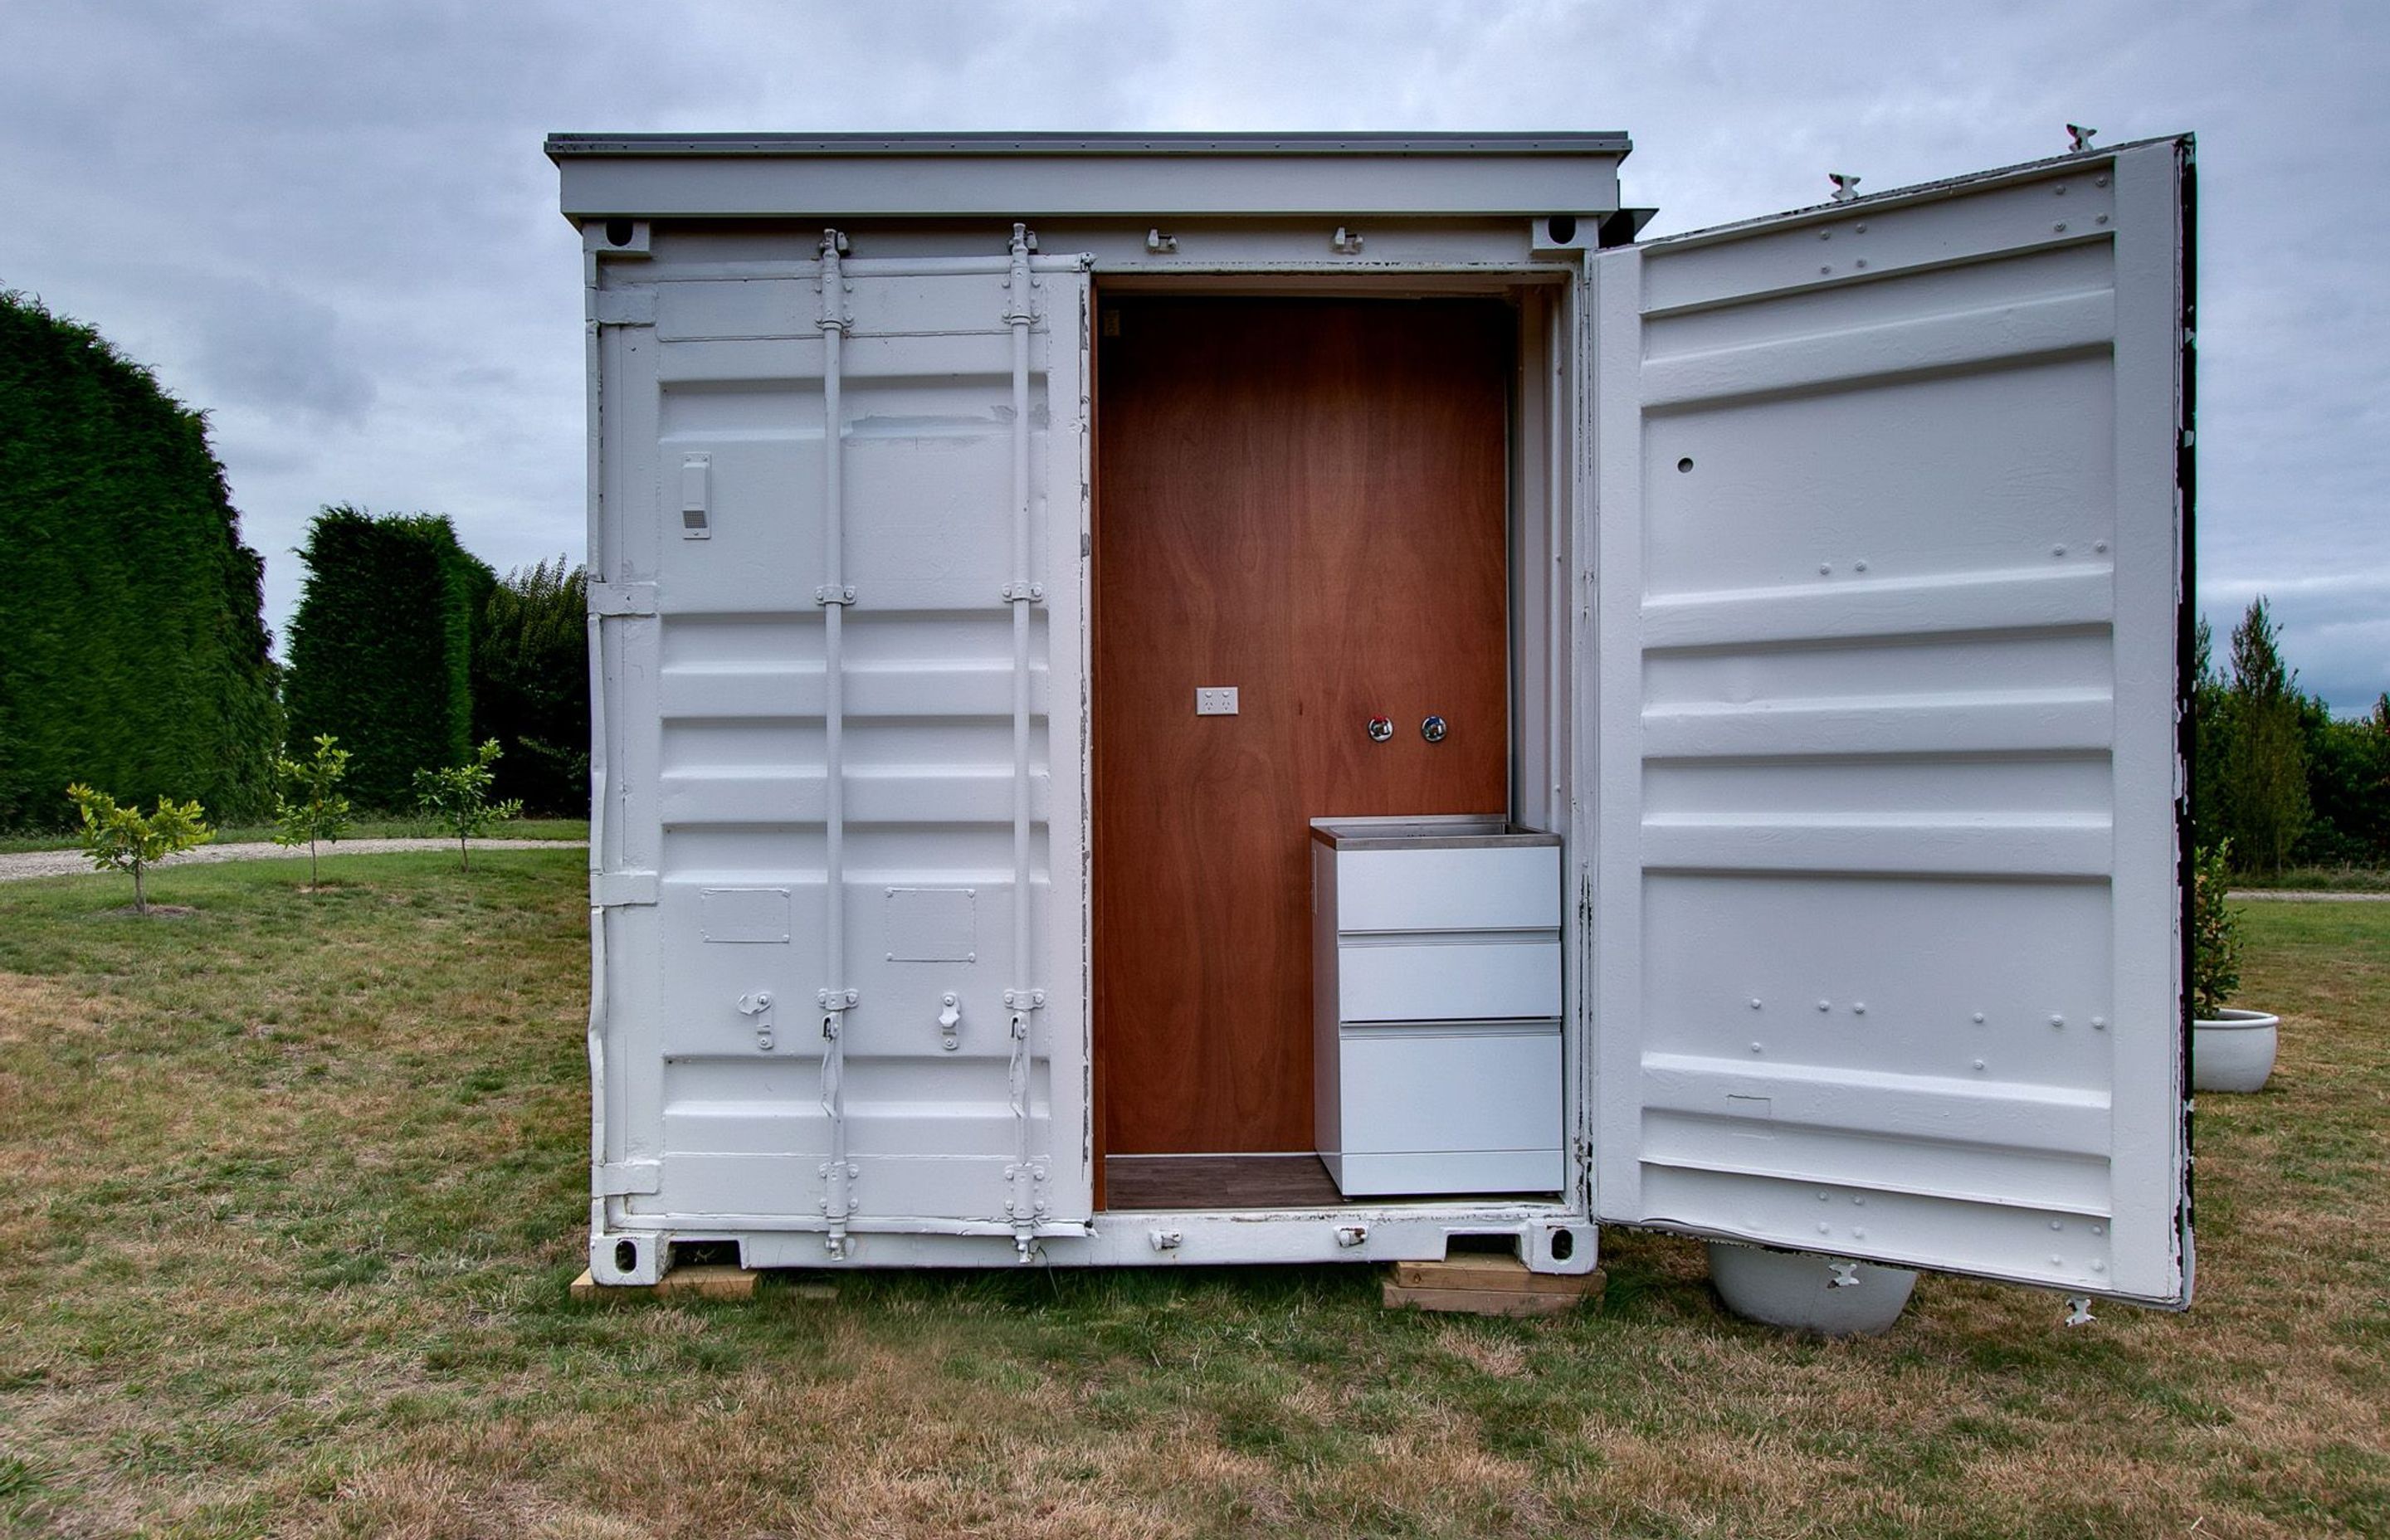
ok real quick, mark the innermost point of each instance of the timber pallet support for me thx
(1488, 1286)
(696, 1281)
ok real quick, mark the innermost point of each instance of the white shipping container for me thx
(1835, 625)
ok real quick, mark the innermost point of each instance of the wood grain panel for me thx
(1303, 499)
(1186, 1182)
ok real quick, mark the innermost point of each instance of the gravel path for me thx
(2308, 895)
(62, 863)
(65, 863)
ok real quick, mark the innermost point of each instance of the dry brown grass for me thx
(295, 1194)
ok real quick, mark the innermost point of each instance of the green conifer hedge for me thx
(531, 685)
(133, 644)
(381, 646)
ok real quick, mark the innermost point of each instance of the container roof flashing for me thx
(1094, 175)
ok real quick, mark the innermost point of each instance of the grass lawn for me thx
(294, 1187)
(363, 828)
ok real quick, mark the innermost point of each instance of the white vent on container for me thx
(695, 520)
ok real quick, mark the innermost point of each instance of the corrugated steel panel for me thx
(718, 772)
(1877, 565)
(1889, 547)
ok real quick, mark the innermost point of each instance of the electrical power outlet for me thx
(1215, 701)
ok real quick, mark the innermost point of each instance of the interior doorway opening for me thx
(1309, 563)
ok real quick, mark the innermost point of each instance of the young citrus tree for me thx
(307, 802)
(457, 798)
(2215, 931)
(120, 838)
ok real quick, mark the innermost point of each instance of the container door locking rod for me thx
(834, 595)
(1022, 1205)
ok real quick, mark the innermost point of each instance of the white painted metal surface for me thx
(841, 949)
(1136, 176)
(1938, 772)
(1881, 703)
(1437, 1063)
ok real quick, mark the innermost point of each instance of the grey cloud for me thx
(264, 346)
(2336, 628)
(331, 225)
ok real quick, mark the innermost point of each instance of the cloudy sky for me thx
(330, 225)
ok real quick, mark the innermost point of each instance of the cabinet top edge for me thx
(1433, 831)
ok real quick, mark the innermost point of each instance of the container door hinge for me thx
(621, 890)
(832, 285)
(621, 599)
(628, 307)
(838, 1173)
(1020, 306)
(621, 1178)
(1025, 1204)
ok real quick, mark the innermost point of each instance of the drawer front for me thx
(1514, 888)
(1420, 1091)
(1473, 981)
(1488, 1171)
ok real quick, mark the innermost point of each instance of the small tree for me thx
(120, 838)
(2215, 933)
(2264, 777)
(458, 798)
(2211, 741)
(307, 804)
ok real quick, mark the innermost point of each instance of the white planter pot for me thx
(2233, 1050)
(1804, 1292)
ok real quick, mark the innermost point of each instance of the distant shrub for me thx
(531, 685)
(381, 646)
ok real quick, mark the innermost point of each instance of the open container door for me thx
(1891, 522)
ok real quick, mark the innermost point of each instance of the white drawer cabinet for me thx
(1436, 1006)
